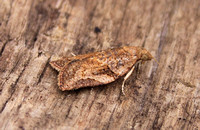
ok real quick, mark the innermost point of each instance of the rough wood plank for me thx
(160, 96)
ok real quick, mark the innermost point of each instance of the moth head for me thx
(145, 55)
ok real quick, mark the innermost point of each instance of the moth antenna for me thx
(73, 54)
(126, 77)
(155, 60)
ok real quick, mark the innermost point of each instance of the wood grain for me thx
(164, 96)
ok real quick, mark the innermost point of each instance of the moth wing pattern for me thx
(121, 69)
(58, 63)
(91, 72)
(121, 61)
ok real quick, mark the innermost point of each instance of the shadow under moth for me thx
(98, 68)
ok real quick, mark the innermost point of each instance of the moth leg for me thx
(73, 54)
(126, 77)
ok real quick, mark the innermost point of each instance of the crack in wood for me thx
(109, 121)
(3, 48)
(13, 86)
(124, 14)
(43, 71)
(69, 109)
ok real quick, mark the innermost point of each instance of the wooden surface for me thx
(164, 96)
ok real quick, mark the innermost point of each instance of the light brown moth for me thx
(98, 68)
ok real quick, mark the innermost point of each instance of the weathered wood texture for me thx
(164, 96)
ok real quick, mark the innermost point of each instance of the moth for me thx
(98, 68)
